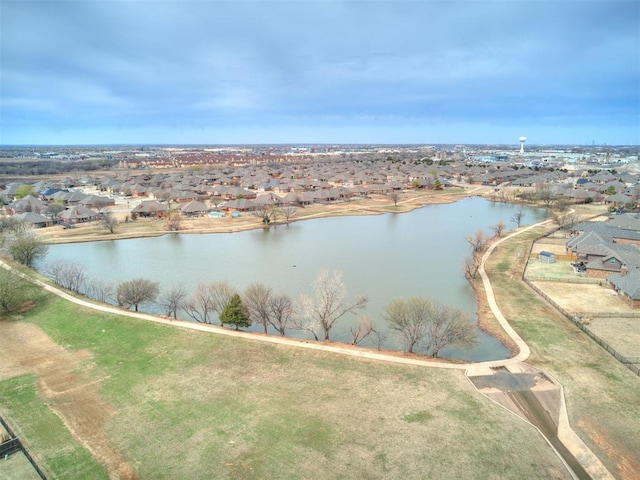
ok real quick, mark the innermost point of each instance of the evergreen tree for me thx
(235, 313)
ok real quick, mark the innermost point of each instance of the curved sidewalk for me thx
(354, 352)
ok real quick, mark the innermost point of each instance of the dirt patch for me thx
(24, 348)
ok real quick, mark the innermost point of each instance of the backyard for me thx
(603, 396)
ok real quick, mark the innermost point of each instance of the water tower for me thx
(522, 140)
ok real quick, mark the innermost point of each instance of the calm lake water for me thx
(420, 253)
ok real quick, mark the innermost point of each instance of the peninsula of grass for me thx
(188, 404)
(603, 396)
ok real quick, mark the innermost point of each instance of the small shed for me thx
(547, 257)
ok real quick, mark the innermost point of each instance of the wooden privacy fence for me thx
(631, 363)
(564, 279)
(14, 445)
(560, 257)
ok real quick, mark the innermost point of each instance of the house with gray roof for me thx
(627, 285)
(34, 219)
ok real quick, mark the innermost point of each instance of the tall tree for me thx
(257, 298)
(54, 208)
(424, 323)
(477, 241)
(68, 274)
(108, 221)
(328, 304)
(99, 289)
(498, 228)
(172, 300)
(235, 313)
(288, 211)
(14, 291)
(207, 300)
(133, 293)
(281, 313)
(517, 217)
(25, 246)
(408, 318)
(173, 219)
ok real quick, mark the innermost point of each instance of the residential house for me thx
(627, 284)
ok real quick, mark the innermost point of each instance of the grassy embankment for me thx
(603, 397)
(192, 405)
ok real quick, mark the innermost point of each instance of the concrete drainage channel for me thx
(534, 397)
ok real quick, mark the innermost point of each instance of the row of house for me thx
(610, 250)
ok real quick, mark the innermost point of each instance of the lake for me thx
(420, 253)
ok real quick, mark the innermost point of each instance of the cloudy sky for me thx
(319, 71)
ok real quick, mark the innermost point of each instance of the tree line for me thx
(421, 325)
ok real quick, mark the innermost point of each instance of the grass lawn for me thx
(43, 434)
(193, 405)
(603, 397)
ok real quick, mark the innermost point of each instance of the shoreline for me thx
(484, 318)
(91, 232)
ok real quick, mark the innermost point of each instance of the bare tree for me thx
(394, 196)
(99, 289)
(565, 220)
(173, 219)
(281, 313)
(472, 265)
(379, 337)
(263, 212)
(54, 208)
(498, 228)
(329, 304)
(172, 300)
(449, 326)
(423, 323)
(207, 300)
(134, 292)
(201, 305)
(364, 329)
(477, 241)
(561, 203)
(409, 319)
(517, 217)
(257, 299)
(546, 196)
(67, 274)
(108, 221)
(288, 211)
(505, 195)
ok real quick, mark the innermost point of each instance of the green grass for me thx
(422, 416)
(603, 397)
(43, 433)
(193, 405)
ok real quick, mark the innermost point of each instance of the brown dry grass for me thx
(584, 299)
(623, 334)
(143, 227)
